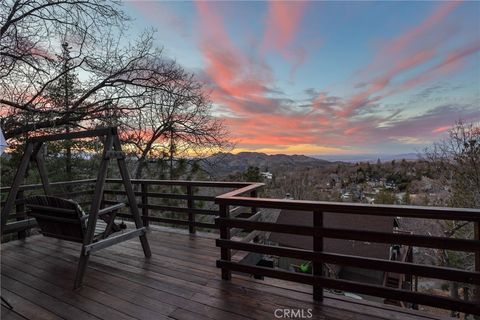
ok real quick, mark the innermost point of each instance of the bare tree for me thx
(30, 29)
(457, 160)
(112, 77)
(160, 106)
(174, 122)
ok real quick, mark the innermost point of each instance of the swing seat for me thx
(65, 219)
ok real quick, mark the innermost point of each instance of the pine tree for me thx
(61, 94)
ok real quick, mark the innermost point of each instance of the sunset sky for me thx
(327, 77)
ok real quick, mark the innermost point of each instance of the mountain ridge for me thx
(229, 163)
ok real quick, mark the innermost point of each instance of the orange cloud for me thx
(307, 149)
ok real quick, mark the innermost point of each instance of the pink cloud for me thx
(235, 77)
(453, 62)
(441, 129)
(282, 23)
(405, 53)
(377, 85)
(240, 85)
(407, 38)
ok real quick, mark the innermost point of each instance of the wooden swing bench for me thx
(63, 218)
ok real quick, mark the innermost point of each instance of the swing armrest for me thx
(106, 210)
(115, 207)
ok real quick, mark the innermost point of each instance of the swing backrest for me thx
(58, 218)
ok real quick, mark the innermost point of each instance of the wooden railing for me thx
(244, 195)
(189, 198)
(149, 200)
(22, 223)
(319, 257)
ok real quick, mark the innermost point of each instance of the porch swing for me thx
(64, 218)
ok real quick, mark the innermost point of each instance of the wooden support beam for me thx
(18, 226)
(21, 215)
(17, 181)
(110, 241)
(75, 135)
(317, 248)
(39, 159)
(131, 196)
(225, 253)
(190, 206)
(94, 209)
(144, 194)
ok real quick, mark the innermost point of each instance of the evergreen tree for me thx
(252, 174)
(60, 94)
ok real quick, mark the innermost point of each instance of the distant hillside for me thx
(352, 158)
(228, 163)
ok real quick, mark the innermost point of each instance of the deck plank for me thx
(118, 283)
(180, 281)
(60, 308)
(8, 314)
(27, 309)
(117, 304)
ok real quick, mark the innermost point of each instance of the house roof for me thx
(339, 221)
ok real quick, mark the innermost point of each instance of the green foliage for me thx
(252, 174)
(385, 197)
(400, 179)
(306, 267)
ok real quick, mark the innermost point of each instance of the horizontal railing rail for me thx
(189, 197)
(188, 206)
(318, 257)
(233, 223)
(38, 186)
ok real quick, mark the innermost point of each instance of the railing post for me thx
(476, 294)
(191, 215)
(225, 253)
(317, 269)
(253, 194)
(144, 192)
(21, 215)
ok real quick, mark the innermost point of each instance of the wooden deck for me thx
(180, 281)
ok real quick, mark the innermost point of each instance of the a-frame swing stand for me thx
(112, 149)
